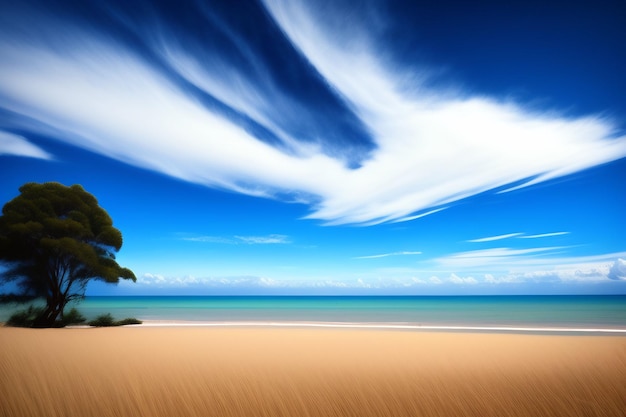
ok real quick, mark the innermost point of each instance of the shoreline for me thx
(400, 326)
(385, 326)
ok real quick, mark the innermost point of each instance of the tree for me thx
(54, 239)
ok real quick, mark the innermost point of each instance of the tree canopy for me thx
(54, 240)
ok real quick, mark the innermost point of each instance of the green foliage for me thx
(24, 318)
(72, 317)
(27, 317)
(129, 320)
(55, 239)
(106, 320)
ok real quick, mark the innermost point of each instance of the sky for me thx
(330, 147)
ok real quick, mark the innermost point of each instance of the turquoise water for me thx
(536, 311)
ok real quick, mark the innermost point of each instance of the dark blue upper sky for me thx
(330, 147)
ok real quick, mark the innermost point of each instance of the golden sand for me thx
(178, 371)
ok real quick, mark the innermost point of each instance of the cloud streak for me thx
(542, 260)
(384, 255)
(236, 240)
(493, 238)
(159, 108)
(516, 235)
(543, 235)
(264, 240)
(11, 144)
(495, 258)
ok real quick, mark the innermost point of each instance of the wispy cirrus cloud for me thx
(235, 240)
(529, 260)
(496, 258)
(539, 236)
(406, 172)
(384, 255)
(11, 144)
(492, 238)
(231, 124)
(516, 235)
(264, 240)
(210, 239)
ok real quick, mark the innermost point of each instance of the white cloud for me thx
(264, 240)
(418, 216)
(455, 279)
(210, 239)
(107, 99)
(151, 279)
(435, 280)
(578, 270)
(243, 282)
(490, 279)
(580, 262)
(494, 258)
(160, 281)
(503, 265)
(492, 238)
(249, 240)
(517, 235)
(543, 235)
(618, 270)
(12, 144)
(502, 252)
(384, 255)
(417, 133)
(594, 274)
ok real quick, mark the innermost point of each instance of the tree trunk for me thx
(49, 316)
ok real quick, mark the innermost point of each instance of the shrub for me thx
(24, 318)
(130, 320)
(72, 317)
(103, 320)
(106, 320)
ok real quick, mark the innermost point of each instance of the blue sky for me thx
(330, 147)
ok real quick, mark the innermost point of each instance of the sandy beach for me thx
(202, 371)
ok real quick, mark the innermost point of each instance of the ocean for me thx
(576, 311)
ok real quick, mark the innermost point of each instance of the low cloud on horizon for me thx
(589, 275)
